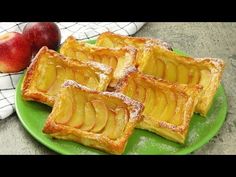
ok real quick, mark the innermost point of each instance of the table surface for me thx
(216, 40)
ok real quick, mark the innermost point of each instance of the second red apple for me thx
(15, 52)
(42, 34)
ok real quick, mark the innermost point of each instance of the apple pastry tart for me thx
(118, 59)
(161, 63)
(168, 107)
(103, 120)
(109, 39)
(49, 70)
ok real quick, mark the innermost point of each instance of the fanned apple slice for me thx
(113, 62)
(151, 67)
(97, 58)
(78, 115)
(107, 42)
(90, 79)
(160, 68)
(140, 93)
(170, 72)
(170, 108)
(69, 74)
(119, 68)
(160, 104)
(206, 79)
(81, 56)
(149, 101)
(65, 109)
(60, 78)
(194, 75)
(182, 74)
(79, 78)
(101, 115)
(44, 82)
(92, 82)
(121, 119)
(105, 60)
(70, 52)
(110, 126)
(131, 89)
(90, 117)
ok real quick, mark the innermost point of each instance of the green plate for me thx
(33, 116)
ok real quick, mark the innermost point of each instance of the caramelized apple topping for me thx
(117, 59)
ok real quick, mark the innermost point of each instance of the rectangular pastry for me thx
(118, 59)
(168, 107)
(49, 70)
(161, 63)
(103, 120)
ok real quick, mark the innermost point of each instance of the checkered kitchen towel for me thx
(81, 31)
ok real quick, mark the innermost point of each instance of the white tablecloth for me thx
(81, 31)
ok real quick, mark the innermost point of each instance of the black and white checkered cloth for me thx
(81, 31)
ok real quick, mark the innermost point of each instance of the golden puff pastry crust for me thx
(162, 63)
(109, 39)
(102, 120)
(118, 59)
(168, 107)
(49, 70)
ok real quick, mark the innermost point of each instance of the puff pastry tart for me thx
(159, 62)
(103, 120)
(49, 70)
(109, 39)
(118, 59)
(168, 107)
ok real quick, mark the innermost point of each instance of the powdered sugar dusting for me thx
(150, 144)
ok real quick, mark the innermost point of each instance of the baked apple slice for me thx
(111, 126)
(77, 120)
(90, 117)
(109, 118)
(44, 83)
(64, 114)
(168, 107)
(118, 59)
(101, 115)
(49, 70)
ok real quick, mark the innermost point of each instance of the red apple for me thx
(42, 34)
(15, 52)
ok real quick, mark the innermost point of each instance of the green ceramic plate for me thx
(33, 115)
